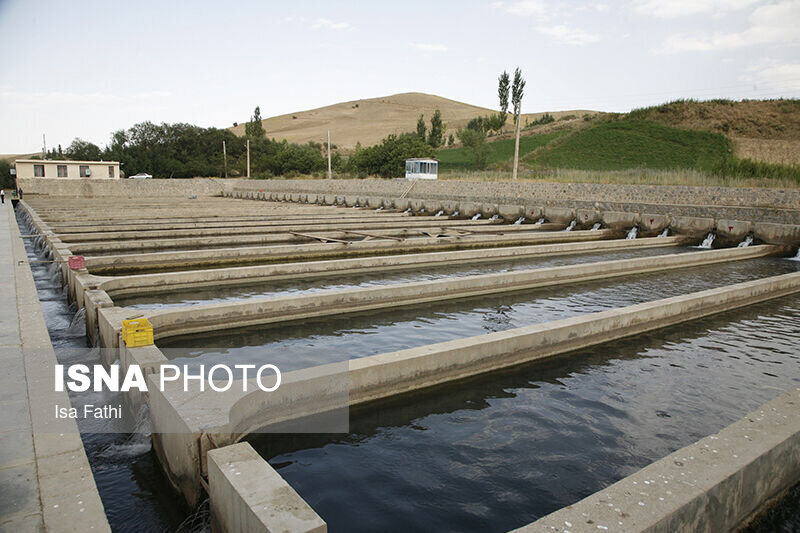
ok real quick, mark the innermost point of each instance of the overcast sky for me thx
(86, 68)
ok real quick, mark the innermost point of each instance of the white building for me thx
(33, 168)
(423, 168)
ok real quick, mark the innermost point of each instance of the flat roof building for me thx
(48, 168)
(422, 169)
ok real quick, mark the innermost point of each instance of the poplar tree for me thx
(517, 91)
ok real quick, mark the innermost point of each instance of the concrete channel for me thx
(203, 318)
(197, 434)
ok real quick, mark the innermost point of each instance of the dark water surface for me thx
(499, 451)
(325, 340)
(490, 453)
(290, 287)
(783, 517)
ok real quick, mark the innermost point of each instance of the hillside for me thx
(370, 120)
(13, 157)
(624, 144)
(761, 130)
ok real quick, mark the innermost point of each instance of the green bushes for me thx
(7, 181)
(547, 118)
(387, 159)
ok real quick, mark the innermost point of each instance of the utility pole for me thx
(248, 158)
(225, 159)
(330, 176)
(44, 147)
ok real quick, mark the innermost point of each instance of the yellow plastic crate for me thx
(137, 332)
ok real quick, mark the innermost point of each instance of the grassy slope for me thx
(635, 144)
(498, 151)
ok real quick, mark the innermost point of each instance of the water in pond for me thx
(326, 340)
(275, 288)
(135, 495)
(496, 452)
(783, 517)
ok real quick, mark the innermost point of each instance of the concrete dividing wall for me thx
(247, 495)
(126, 187)
(212, 317)
(513, 192)
(224, 418)
(183, 260)
(772, 214)
(175, 281)
(399, 231)
(715, 484)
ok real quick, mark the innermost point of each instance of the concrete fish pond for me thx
(465, 357)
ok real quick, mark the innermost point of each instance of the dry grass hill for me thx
(370, 120)
(13, 157)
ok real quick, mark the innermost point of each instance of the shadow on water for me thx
(498, 451)
(782, 517)
(135, 494)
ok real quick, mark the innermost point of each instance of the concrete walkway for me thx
(46, 483)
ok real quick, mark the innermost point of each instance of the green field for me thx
(497, 151)
(624, 145)
(636, 144)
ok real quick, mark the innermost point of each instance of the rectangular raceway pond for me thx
(498, 451)
(135, 494)
(323, 340)
(411, 274)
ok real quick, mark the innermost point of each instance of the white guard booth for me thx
(422, 169)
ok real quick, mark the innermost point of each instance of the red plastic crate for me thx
(77, 262)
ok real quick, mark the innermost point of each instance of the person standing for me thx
(19, 193)
(2, 196)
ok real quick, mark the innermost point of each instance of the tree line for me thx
(183, 150)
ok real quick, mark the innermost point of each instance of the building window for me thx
(62, 171)
(38, 171)
(84, 171)
(110, 171)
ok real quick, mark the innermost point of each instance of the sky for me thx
(85, 68)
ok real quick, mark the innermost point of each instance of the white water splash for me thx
(456, 213)
(540, 221)
(476, 217)
(78, 323)
(407, 210)
(664, 233)
(379, 209)
(708, 241)
(596, 226)
(632, 233)
(494, 217)
(571, 225)
(440, 213)
(519, 221)
(796, 257)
